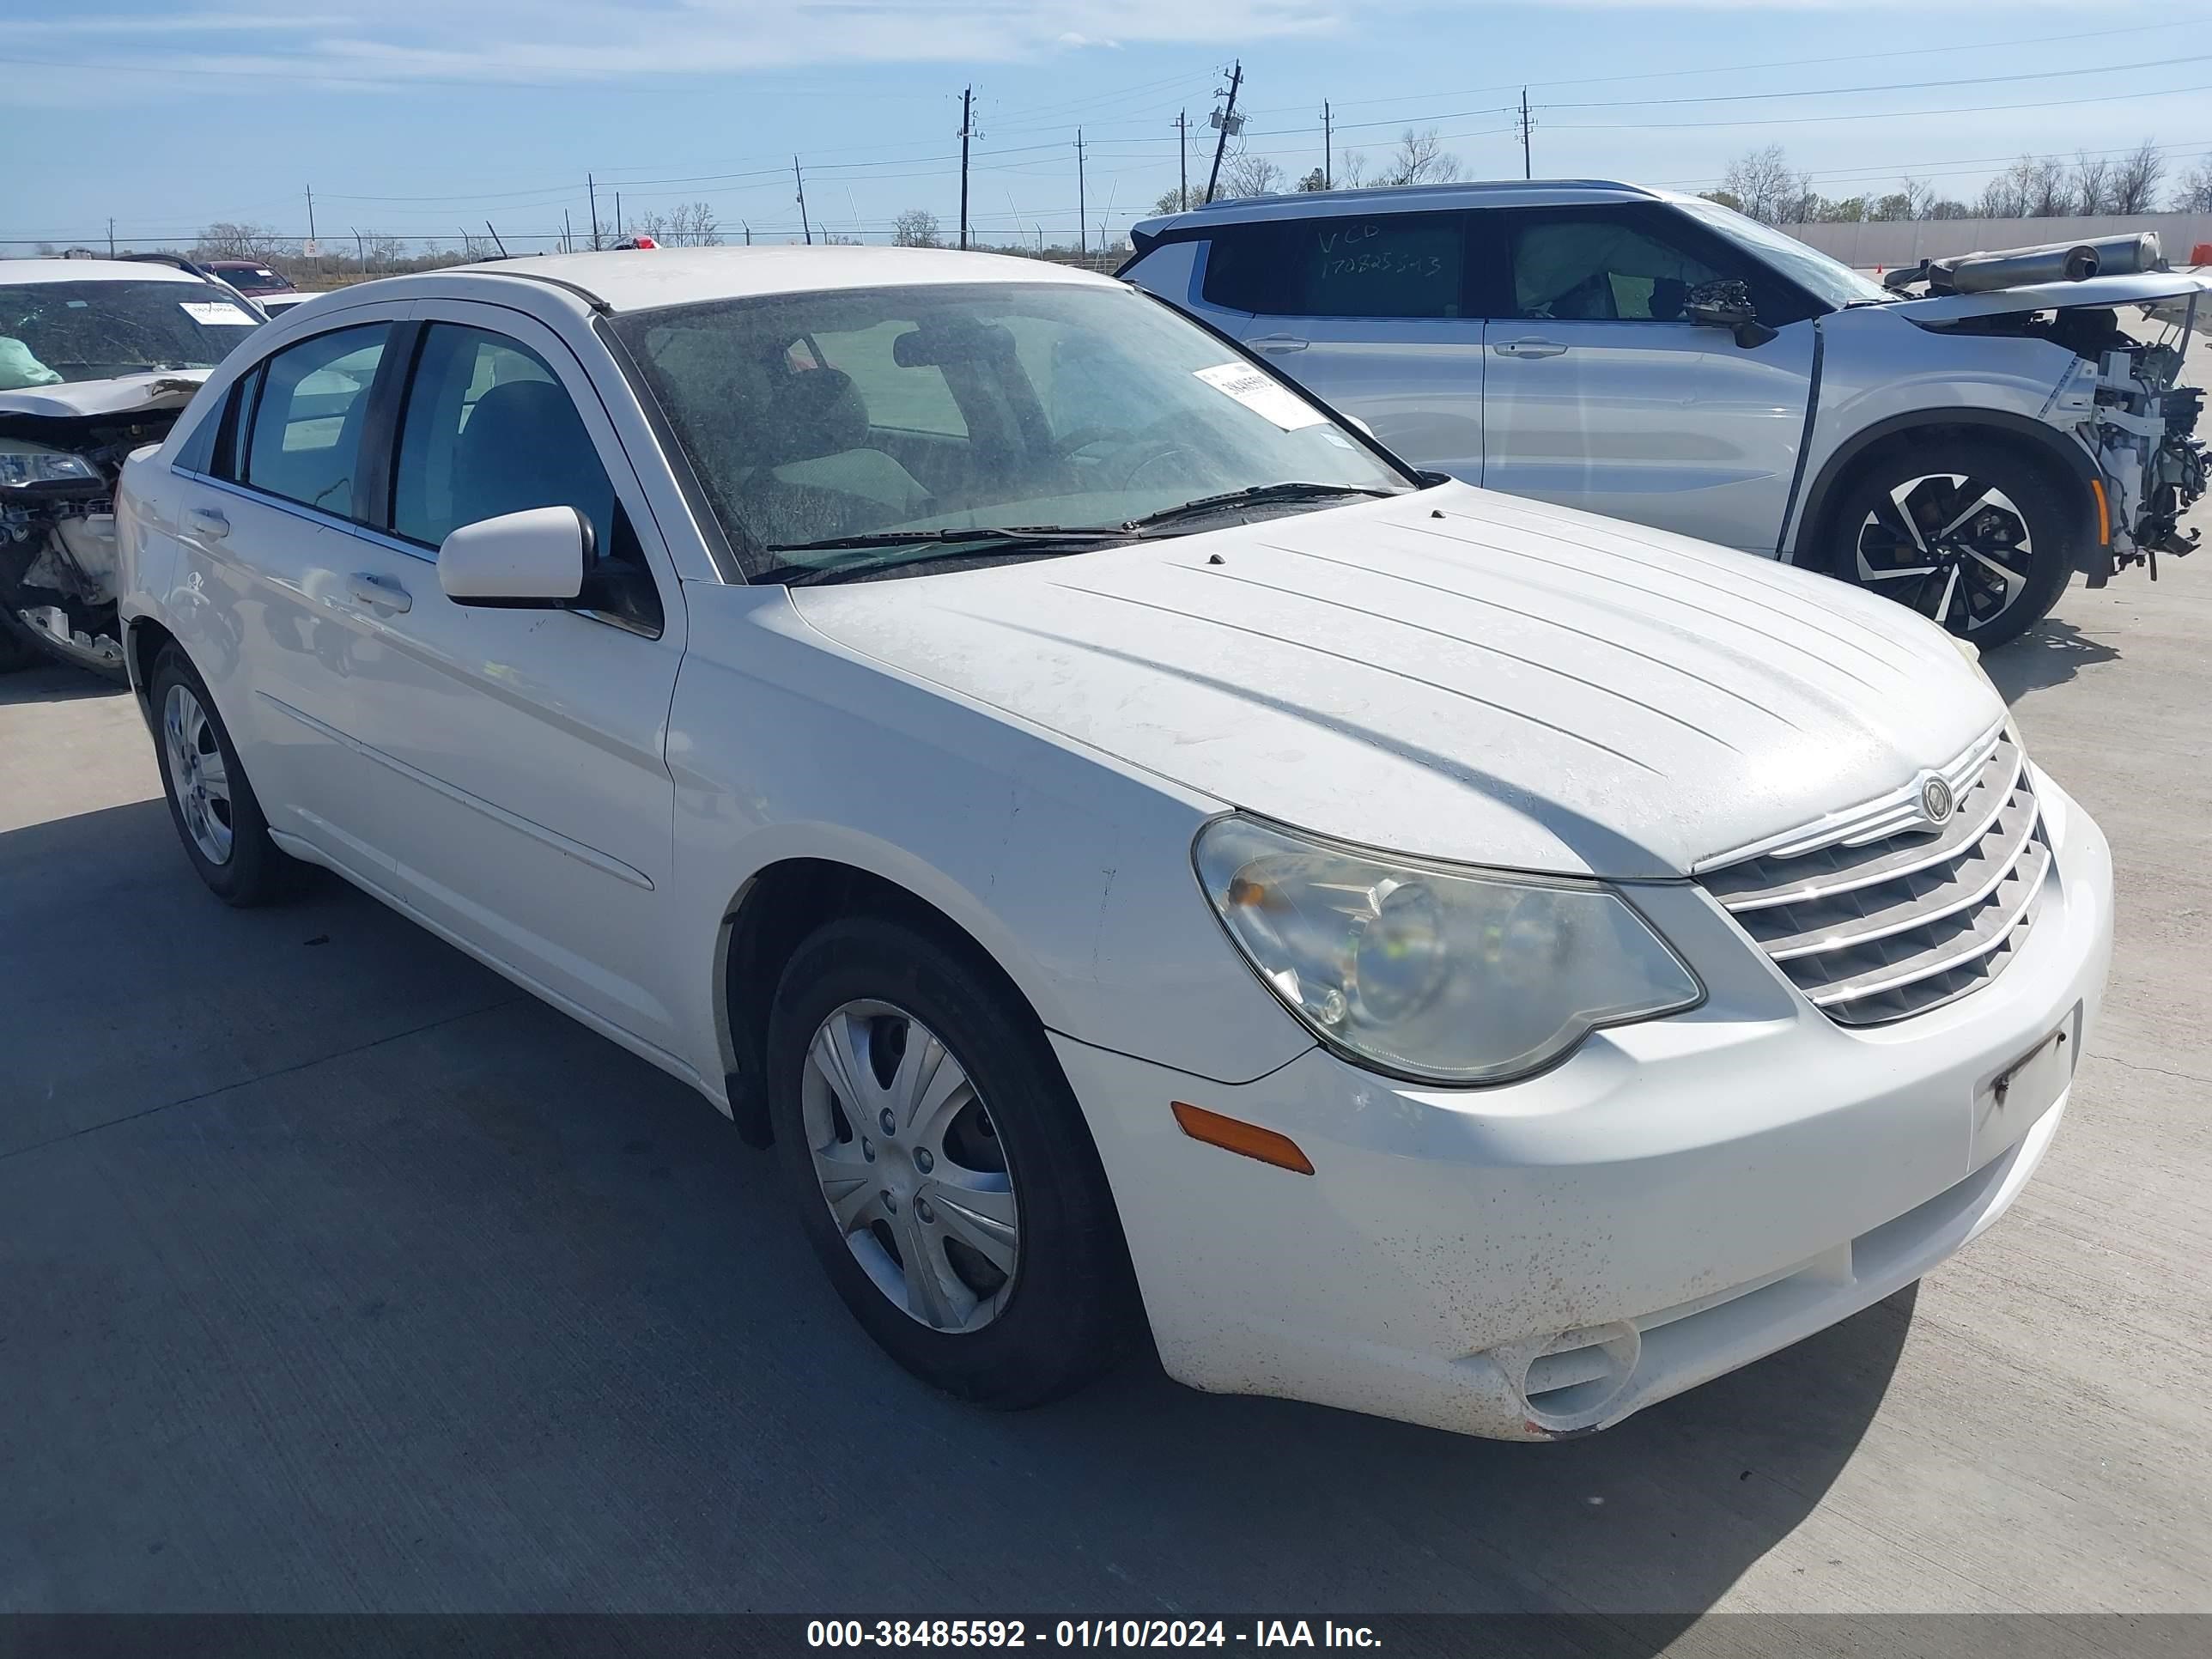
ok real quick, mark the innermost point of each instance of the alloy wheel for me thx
(1953, 547)
(911, 1166)
(197, 774)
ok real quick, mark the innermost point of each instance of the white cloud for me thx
(406, 42)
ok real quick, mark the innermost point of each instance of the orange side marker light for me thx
(1247, 1139)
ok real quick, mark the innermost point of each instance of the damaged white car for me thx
(98, 357)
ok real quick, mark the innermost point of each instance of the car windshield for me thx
(953, 412)
(95, 330)
(1828, 279)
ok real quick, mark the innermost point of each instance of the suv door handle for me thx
(206, 521)
(381, 593)
(1531, 347)
(1277, 343)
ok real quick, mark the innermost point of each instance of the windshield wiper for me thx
(956, 542)
(1252, 495)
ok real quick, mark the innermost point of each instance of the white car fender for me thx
(837, 753)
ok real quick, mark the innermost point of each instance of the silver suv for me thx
(1657, 357)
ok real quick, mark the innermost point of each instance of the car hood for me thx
(2139, 289)
(128, 394)
(1455, 674)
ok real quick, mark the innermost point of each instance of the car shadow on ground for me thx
(338, 1275)
(55, 682)
(2049, 653)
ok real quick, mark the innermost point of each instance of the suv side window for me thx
(489, 429)
(1377, 265)
(1634, 263)
(308, 408)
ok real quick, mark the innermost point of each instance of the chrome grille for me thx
(1877, 917)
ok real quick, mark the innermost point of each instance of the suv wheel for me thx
(941, 1168)
(1976, 536)
(210, 802)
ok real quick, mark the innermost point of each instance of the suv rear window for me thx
(1384, 264)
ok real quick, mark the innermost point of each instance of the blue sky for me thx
(418, 117)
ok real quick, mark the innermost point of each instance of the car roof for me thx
(13, 271)
(642, 279)
(235, 265)
(1401, 199)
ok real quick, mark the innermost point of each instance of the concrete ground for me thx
(337, 1275)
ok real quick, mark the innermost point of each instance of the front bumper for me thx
(1679, 1199)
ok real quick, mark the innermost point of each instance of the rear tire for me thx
(941, 1136)
(1975, 535)
(211, 802)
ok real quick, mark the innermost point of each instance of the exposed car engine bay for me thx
(58, 553)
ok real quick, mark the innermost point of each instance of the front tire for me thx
(1975, 536)
(941, 1168)
(211, 802)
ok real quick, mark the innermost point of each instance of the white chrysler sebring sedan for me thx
(1149, 864)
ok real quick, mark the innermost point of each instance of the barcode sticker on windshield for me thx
(213, 311)
(1262, 396)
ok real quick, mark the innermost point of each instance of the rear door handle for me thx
(1531, 347)
(206, 521)
(1277, 343)
(381, 593)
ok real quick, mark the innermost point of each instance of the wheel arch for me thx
(1870, 445)
(143, 640)
(772, 913)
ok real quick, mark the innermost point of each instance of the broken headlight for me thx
(1428, 972)
(24, 464)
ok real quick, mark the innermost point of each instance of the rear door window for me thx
(1636, 263)
(304, 443)
(1380, 265)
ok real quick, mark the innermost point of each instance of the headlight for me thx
(26, 464)
(1446, 975)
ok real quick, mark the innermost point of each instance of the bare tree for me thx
(696, 226)
(1351, 172)
(2050, 191)
(2092, 183)
(225, 240)
(2008, 194)
(1174, 200)
(1420, 158)
(2193, 193)
(917, 228)
(1246, 175)
(2135, 178)
(1767, 188)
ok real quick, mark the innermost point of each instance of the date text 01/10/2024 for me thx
(1085, 1633)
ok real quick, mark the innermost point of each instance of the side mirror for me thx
(1727, 304)
(533, 559)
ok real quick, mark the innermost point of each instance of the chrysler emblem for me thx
(1935, 802)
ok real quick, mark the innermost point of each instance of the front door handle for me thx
(207, 522)
(381, 593)
(1531, 347)
(1278, 342)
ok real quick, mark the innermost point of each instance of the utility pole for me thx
(1326, 150)
(592, 190)
(111, 236)
(967, 132)
(1525, 165)
(801, 177)
(748, 224)
(1082, 231)
(1228, 120)
(311, 215)
(618, 230)
(1183, 159)
(568, 237)
(360, 250)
